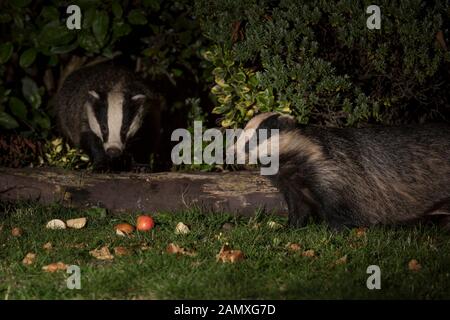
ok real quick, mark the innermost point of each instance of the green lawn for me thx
(269, 271)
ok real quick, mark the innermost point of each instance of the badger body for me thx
(361, 176)
(110, 113)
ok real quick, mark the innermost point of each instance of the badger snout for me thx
(113, 152)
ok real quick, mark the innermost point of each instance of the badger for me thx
(356, 177)
(107, 111)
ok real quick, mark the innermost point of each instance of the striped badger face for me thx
(115, 117)
(262, 141)
(265, 121)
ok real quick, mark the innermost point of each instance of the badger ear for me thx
(286, 121)
(93, 94)
(139, 98)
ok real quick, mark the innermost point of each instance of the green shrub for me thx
(318, 61)
(57, 153)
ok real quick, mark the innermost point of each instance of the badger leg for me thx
(300, 206)
(339, 216)
(93, 146)
(441, 210)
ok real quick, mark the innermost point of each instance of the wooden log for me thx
(233, 192)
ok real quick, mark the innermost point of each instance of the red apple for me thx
(145, 223)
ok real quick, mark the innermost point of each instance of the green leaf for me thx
(227, 123)
(18, 108)
(6, 50)
(64, 49)
(219, 109)
(4, 93)
(209, 56)
(31, 92)
(218, 71)
(100, 27)
(18, 20)
(107, 52)
(137, 17)
(27, 57)
(117, 9)
(177, 72)
(7, 122)
(120, 29)
(41, 119)
(239, 77)
(89, 18)
(88, 42)
(263, 100)
(55, 34)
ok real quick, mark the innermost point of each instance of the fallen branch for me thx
(234, 192)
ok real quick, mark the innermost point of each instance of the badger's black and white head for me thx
(115, 117)
(285, 143)
(266, 121)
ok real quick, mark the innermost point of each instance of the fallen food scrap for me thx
(181, 228)
(78, 223)
(414, 265)
(101, 254)
(309, 253)
(228, 255)
(55, 224)
(361, 232)
(124, 229)
(29, 259)
(16, 232)
(121, 251)
(293, 246)
(175, 249)
(53, 267)
(342, 260)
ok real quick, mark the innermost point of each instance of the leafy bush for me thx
(318, 61)
(59, 154)
(37, 50)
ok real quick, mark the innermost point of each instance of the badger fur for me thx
(361, 176)
(109, 113)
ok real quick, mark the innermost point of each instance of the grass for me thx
(269, 271)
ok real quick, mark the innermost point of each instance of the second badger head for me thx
(110, 113)
(115, 116)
